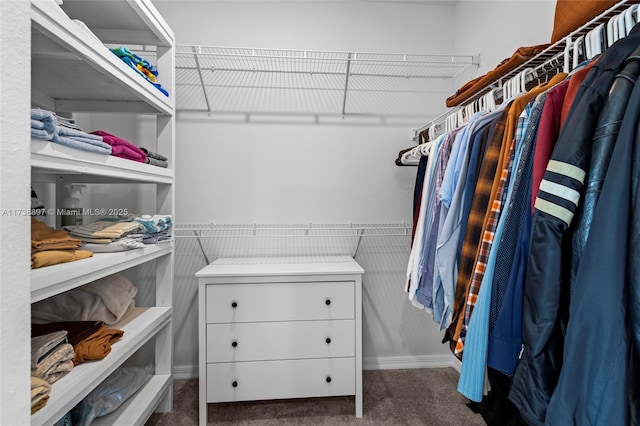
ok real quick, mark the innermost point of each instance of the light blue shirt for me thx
(471, 381)
(446, 270)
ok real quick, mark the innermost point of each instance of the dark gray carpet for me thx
(391, 397)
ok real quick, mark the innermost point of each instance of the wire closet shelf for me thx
(268, 240)
(228, 80)
(212, 230)
(556, 52)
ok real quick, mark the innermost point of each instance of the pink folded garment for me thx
(132, 152)
(124, 151)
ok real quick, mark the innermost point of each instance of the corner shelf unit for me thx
(252, 81)
(73, 71)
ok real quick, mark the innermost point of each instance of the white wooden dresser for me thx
(276, 328)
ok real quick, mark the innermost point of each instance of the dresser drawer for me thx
(245, 381)
(279, 301)
(259, 341)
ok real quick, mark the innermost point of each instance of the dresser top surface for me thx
(267, 266)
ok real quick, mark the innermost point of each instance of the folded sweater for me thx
(45, 238)
(97, 346)
(54, 257)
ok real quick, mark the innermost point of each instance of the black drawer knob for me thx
(234, 344)
(234, 384)
(328, 379)
(328, 340)
(234, 304)
(327, 302)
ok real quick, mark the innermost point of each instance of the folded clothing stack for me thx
(109, 300)
(106, 231)
(91, 340)
(51, 356)
(155, 159)
(44, 125)
(154, 223)
(140, 65)
(40, 390)
(51, 247)
(121, 147)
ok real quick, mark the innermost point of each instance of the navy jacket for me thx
(592, 389)
(546, 292)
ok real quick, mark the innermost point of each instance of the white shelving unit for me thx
(74, 72)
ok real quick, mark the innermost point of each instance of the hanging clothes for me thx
(538, 371)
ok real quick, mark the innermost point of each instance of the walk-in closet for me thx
(306, 212)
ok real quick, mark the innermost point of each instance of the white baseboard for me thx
(381, 363)
(399, 362)
(185, 372)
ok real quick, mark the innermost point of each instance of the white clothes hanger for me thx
(629, 19)
(594, 41)
(576, 51)
(566, 66)
(613, 30)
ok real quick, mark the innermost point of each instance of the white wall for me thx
(304, 172)
(294, 172)
(15, 292)
(495, 29)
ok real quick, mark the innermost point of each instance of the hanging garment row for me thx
(525, 243)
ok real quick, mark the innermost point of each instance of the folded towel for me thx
(127, 153)
(117, 143)
(76, 331)
(40, 390)
(42, 346)
(154, 223)
(44, 116)
(97, 346)
(157, 237)
(55, 257)
(108, 299)
(79, 134)
(45, 238)
(154, 154)
(106, 229)
(158, 163)
(48, 123)
(57, 365)
(84, 145)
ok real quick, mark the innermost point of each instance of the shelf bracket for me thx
(204, 89)
(346, 84)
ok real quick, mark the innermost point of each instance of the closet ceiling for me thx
(250, 82)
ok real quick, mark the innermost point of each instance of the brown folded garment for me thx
(97, 346)
(519, 57)
(45, 238)
(39, 393)
(54, 257)
(77, 331)
(572, 14)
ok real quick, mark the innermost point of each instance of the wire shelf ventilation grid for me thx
(224, 80)
(268, 240)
